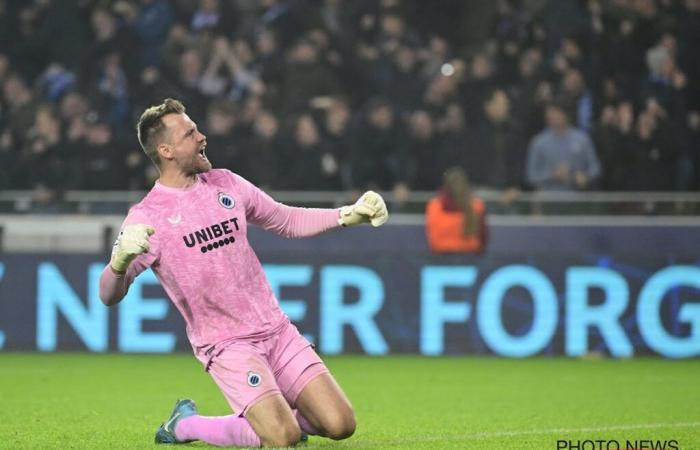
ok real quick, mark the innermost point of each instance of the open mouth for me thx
(201, 152)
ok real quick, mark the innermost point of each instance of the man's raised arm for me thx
(297, 222)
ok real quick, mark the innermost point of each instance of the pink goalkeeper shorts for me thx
(248, 371)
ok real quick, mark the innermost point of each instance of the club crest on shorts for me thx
(226, 200)
(253, 379)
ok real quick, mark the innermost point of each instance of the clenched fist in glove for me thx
(370, 208)
(132, 242)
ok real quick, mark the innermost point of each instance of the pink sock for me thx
(305, 425)
(224, 431)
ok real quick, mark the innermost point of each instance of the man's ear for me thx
(165, 152)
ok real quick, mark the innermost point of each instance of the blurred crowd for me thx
(355, 94)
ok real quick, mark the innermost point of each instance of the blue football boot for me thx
(166, 432)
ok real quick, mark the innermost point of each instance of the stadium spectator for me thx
(41, 163)
(455, 220)
(434, 56)
(262, 147)
(306, 77)
(269, 60)
(153, 86)
(207, 16)
(561, 157)
(336, 131)
(454, 142)
(20, 105)
(496, 156)
(577, 99)
(191, 84)
(656, 152)
(102, 157)
(223, 136)
(308, 163)
(613, 137)
(443, 89)
(530, 92)
(404, 83)
(374, 163)
(151, 21)
(665, 83)
(111, 90)
(110, 37)
(417, 159)
(480, 80)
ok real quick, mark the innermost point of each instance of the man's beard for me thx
(197, 165)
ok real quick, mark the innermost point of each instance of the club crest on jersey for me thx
(226, 200)
(253, 379)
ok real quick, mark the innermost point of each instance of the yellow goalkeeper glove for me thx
(132, 242)
(370, 208)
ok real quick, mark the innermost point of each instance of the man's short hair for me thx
(150, 126)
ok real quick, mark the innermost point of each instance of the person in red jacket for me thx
(455, 220)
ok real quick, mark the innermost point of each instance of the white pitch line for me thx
(497, 434)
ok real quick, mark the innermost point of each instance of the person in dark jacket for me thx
(496, 153)
(655, 150)
(375, 160)
(309, 164)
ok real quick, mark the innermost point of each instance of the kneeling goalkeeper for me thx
(191, 229)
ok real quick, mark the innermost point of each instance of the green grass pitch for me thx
(80, 401)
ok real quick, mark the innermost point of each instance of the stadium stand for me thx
(348, 95)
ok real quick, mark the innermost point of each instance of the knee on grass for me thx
(340, 426)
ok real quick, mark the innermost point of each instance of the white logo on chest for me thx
(254, 379)
(226, 200)
(175, 219)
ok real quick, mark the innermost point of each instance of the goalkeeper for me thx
(191, 229)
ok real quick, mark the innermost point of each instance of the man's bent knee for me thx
(274, 422)
(340, 426)
(287, 435)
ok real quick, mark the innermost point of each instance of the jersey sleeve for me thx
(262, 210)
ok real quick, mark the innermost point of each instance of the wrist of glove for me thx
(369, 208)
(132, 242)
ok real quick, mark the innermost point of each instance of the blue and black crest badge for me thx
(226, 200)
(254, 379)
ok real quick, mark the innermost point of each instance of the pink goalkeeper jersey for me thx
(201, 255)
